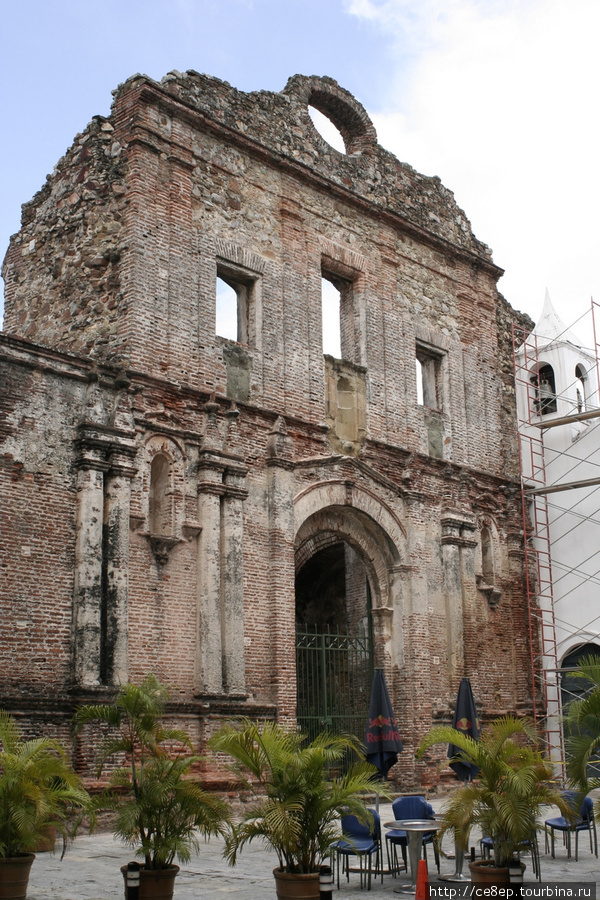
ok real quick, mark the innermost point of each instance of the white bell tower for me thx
(563, 372)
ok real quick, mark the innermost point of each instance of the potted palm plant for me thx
(160, 808)
(39, 791)
(296, 806)
(513, 783)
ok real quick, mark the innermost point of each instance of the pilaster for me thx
(104, 457)
(458, 545)
(280, 493)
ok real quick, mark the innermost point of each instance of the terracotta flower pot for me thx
(296, 887)
(14, 876)
(155, 884)
(485, 874)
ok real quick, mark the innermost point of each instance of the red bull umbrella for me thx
(382, 739)
(465, 720)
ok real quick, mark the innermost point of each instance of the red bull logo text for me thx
(389, 734)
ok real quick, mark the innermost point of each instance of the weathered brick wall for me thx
(61, 272)
(37, 424)
(111, 364)
(124, 238)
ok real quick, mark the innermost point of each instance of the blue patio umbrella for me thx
(382, 740)
(465, 720)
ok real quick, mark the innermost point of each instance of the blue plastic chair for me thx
(583, 821)
(362, 841)
(413, 807)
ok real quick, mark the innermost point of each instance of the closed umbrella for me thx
(382, 740)
(465, 720)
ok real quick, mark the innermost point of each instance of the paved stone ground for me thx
(90, 871)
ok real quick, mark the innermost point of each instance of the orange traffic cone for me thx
(422, 891)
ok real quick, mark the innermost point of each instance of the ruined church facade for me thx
(187, 503)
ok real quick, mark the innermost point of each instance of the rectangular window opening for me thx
(428, 368)
(235, 290)
(331, 313)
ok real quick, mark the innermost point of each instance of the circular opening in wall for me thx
(328, 131)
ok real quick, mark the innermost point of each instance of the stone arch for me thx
(346, 493)
(341, 512)
(359, 531)
(341, 108)
(576, 650)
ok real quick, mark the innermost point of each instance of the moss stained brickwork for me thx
(163, 485)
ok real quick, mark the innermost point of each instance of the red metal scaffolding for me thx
(538, 558)
(545, 672)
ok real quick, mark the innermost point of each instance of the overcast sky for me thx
(497, 97)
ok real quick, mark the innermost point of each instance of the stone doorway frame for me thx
(342, 511)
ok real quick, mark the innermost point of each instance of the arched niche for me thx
(164, 486)
(487, 560)
(160, 507)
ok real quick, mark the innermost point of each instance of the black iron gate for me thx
(334, 671)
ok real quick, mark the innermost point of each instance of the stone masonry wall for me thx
(161, 484)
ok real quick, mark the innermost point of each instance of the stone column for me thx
(232, 580)
(104, 456)
(280, 492)
(457, 540)
(209, 654)
(117, 502)
(88, 570)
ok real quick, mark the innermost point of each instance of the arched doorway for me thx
(576, 688)
(573, 688)
(334, 640)
(346, 568)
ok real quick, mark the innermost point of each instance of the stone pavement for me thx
(90, 871)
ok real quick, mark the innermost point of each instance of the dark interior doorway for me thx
(334, 644)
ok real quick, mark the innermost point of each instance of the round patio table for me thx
(415, 829)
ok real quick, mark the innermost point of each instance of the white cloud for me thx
(500, 100)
